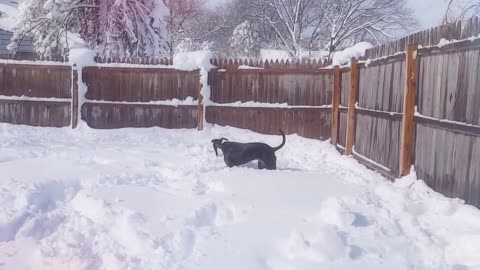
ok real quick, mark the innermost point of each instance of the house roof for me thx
(5, 38)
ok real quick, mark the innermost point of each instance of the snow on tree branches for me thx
(114, 28)
(245, 40)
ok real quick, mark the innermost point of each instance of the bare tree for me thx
(346, 20)
(458, 10)
(292, 21)
(181, 12)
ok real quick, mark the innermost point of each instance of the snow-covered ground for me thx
(160, 199)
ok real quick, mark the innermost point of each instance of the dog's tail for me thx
(283, 141)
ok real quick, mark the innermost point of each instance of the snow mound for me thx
(193, 60)
(82, 57)
(356, 51)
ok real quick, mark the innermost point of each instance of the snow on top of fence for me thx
(193, 60)
(254, 104)
(34, 62)
(27, 98)
(356, 51)
(189, 101)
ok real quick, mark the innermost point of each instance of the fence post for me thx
(352, 100)
(74, 97)
(200, 108)
(335, 104)
(406, 135)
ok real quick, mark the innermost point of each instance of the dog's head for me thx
(217, 143)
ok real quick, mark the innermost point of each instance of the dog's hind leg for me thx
(272, 166)
(261, 164)
(271, 163)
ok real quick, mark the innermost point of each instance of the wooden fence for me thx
(308, 94)
(416, 107)
(447, 146)
(36, 95)
(407, 105)
(120, 97)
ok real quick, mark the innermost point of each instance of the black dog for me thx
(236, 154)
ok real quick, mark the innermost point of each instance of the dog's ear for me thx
(224, 139)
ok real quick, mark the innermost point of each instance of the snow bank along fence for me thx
(416, 105)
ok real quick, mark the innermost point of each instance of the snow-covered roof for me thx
(8, 14)
(25, 47)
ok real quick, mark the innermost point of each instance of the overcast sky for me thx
(429, 12)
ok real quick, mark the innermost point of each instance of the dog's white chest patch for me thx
(220, 152)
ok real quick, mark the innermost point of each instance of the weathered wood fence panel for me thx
(110, 87)
(342, 133)
(111, 116)
(378, 139)
(21, 84)
(344, 93)
(449, 162)
(295, 87)
(34, 113)
(447, 146)
(382, 85)
(449, 84)
(378, 113)
(36, 81)
(310, 123)
(139, 84)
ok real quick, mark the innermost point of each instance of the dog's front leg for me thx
(228, 162)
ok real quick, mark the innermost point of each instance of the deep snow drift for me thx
(160, 199)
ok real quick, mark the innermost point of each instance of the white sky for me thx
(428, 12)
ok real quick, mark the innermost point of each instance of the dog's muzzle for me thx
(216, 149)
